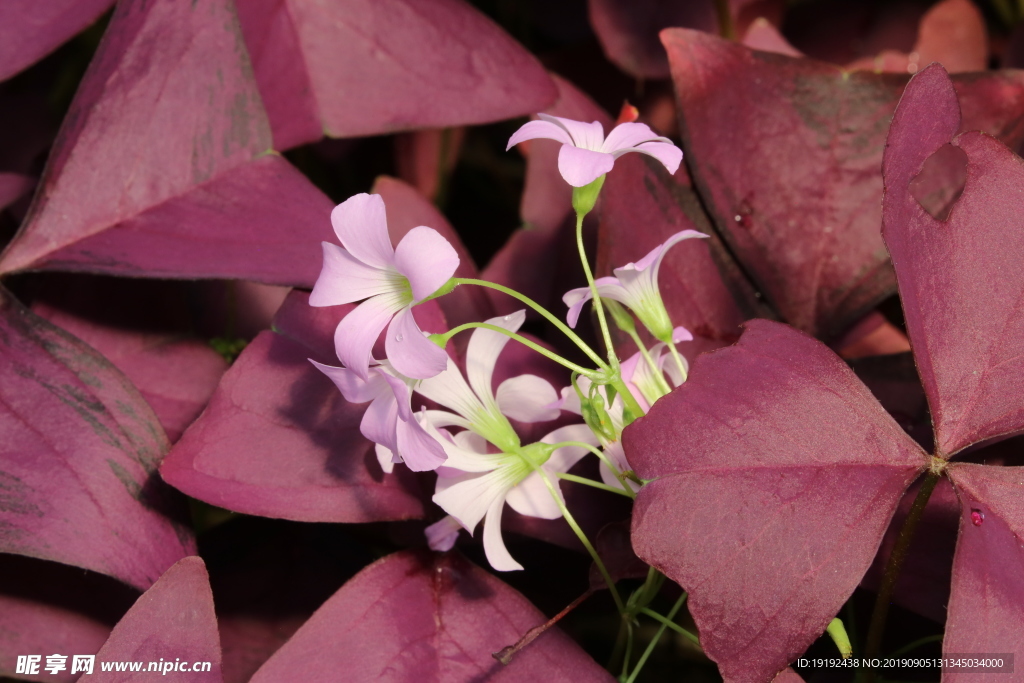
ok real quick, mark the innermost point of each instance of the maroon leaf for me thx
(30, 30)
(77, 464)
(162, 165)
(172, 621)
(12, 187)
(986, 606)
(362, 67)
(423, 617)
(761, 35)
(767, 519)
(277, 439)
(176, 376)
(960, 281)
(642, 206)
(786, 154)
(406, 209)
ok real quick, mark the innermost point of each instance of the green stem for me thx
(605, 334)
(522, 340)
(603, 458)
(659, 376)
(671, 624)
(627, 396)
(679, 359)
(548, 315)
(629, 649)
(657, 636)
(590, 482)
(873, 645)
(619, 605)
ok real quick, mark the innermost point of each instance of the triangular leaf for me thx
(278, 439)
(172, 624)
(986, 606)
(776, 474)
(30, 30)
(12, 187)
(414, 617)
(161, 167)
(366, 67)
(78, 457)
(786, 154)
(960, 280)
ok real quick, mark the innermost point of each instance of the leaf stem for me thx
(671, 624)
(659, 376)
(873, 643)
(603, 458)
(679, 359)
(657, 636)
(590, 482)
(598, 306)
(548, 315)
(522, 340)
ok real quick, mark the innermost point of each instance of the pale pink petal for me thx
(344, 279)
(655, 255)
(581, 167)
(442, 534)
(380, 422)
(667, 153)
(634, 370)
(616, 455)
(494, 544)
(426, 259)
(362, 227)
(625, 136)
(681, 334)
(528, 398)
(463, 456)
(532, 498)
(467, 497)
(443, 418)
(385, 457)
(564, 458)
(358, 331)
(571, 400)
(353, 387)
(449, 389)
(409, 351)
(419, 450)
(608, 287)
(539, 129)
(584, 135)
(483, 350)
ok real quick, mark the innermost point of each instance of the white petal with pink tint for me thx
(344, 279)
(581, 166)
(426, 259)
(528, 398)
(409, 351)
(358, 331)
(361, 225)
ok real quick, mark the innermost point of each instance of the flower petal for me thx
(442, 534)
(344, 279)
(385, 457)
(581, 167)
(564, 458)
(625, 136)
(449, 388)
(584, 135)
(607, 286)
(483, 350)
(380, 422)
(539, 129)
(494, 545)
(532, 498)
(353, 387)
(411, 353)
(655, 255)
(362, 226)
(681, 334)
(464, 457)
(468, 497)
(427, 259)
(667, 153)
(418, 449)
(528, 398)
(614, 452)
(358, 331)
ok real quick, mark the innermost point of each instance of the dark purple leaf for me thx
(986, 606)
(786, 154)
(278, 439)
(960, 280)
(616, 551)
(12, 187)
(173, 620)
(775, 476)
(30, 30)
(426, 158)
(422, 617)
(162, 167)
(366, 67)
(79, 452)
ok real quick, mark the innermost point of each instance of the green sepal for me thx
(584, 198)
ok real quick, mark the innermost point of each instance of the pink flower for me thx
(389, 421)
(635, 286)
(391, 280)
(587, 154)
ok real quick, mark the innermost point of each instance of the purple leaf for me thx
(277, 439)
(172, 620)
(30, 30)
(162, 165)
(366, 67)
(767, 519)
(176, 376)
(12, 187)
(960, 281)
(986, 606)
(786, 154)
(80, 450)
(423, 617)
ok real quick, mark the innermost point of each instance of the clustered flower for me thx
(470, 438)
